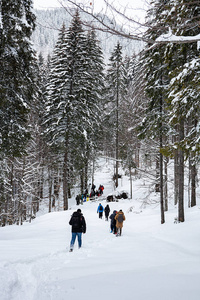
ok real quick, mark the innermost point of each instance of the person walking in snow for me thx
(107, 211)
(100, 210)
(120, 218)
(113, 222)
(78, 224)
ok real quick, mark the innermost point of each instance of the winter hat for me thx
(79, 210)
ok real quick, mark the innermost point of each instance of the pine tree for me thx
(116, 87)
(73, 100)
(155, 122)
(184, 92)
(17, 76)
(17, 88)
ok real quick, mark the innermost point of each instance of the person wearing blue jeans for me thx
(79, 236)
(78, 224)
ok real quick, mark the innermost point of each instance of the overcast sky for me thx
(137, 13)
(98, 4)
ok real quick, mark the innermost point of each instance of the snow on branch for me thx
(101, 23)
(171, 38)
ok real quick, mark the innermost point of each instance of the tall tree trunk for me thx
(176, 177)
(166, 160)
(157, 187)
(161, 185)
(82, 181)
(193, 184)
(181, 217)
(65, 175)
(50, 187)
(86, 174)
(131, 186)
(161, 160)
(117, 132)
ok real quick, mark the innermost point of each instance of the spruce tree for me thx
(17, 74)
(73, 99)
(116, 92)
(184, 91)
(17, 88)
(154, 124)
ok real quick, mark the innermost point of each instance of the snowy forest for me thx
(62, 110)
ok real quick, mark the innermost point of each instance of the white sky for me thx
(135, 9)
(98, 4)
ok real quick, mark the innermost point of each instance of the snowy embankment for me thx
(148, 261)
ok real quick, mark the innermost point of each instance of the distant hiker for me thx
(120, 218)
(107, 211)
(82, 197)
(78, 224)
(78, 198)
(92, 194)
(100, 210)
(93, 187)
(113, 222)
(85, 194)
(101, 188)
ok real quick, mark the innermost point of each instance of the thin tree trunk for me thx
(176, 177)
(82, 181)
(181, 217)
(117, 132)
(65, 181)
(166, 160)
(50, 188)
(131, 186)
(65, 175)
(161, 187)
(157, 187)
(193, 185)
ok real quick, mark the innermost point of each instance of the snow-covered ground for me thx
(149, 261)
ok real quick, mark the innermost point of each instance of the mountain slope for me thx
(49, 22)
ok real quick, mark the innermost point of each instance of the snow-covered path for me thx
(149, 260)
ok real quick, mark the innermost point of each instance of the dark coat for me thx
(78, 222)
(112, 217)
(107, 210)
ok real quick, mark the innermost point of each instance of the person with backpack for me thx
(107, 211)
(78, 224)
(100, 210)
(120, 218)
(113, 222)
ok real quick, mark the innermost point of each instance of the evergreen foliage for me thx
(17, 74)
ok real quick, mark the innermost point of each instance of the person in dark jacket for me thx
(107, 211)
(113, 222)
(78, 224)
(100, 210)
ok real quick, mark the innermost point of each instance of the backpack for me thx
(100, 208)
(120, 218)
(76, 221)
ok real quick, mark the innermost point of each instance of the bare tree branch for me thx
(101, 24)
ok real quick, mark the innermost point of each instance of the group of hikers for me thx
(86, 196)
(78, 223)
(116, 218)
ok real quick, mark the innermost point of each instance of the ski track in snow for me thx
(148, 260)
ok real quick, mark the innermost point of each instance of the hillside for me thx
(149, 260)
(49, 22)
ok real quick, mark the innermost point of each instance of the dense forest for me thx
(60, 111)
